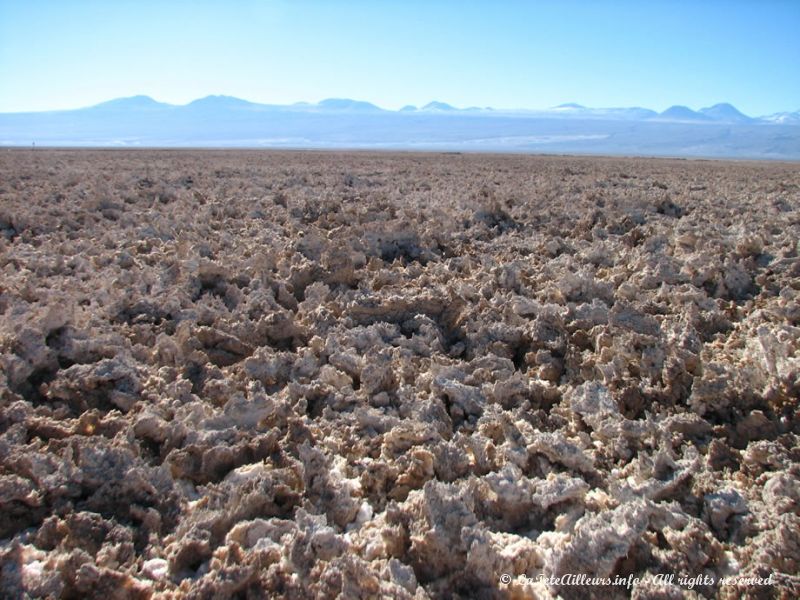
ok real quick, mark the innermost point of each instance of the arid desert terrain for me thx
(247, 374)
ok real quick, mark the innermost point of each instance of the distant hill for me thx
(440, 106)
(225, 121)
(637, 112)
(783, 117)
(218, 103)
(683, 113)
(347, 104)
(573, 109)
(725, 112)
(130, 103)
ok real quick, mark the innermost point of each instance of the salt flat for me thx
(302, 374)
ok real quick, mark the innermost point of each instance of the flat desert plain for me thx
(252, 374)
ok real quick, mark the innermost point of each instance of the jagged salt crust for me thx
(253, 374)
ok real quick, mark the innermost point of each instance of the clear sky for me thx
(506, 54)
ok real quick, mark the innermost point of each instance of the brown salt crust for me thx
(265, 374)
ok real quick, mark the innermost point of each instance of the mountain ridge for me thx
(679, 112)
(718, 112)
(719, 130)
(723, 111)
(138, 101)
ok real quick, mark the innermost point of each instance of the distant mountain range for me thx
(224, 121)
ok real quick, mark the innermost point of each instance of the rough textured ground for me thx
(288, 375)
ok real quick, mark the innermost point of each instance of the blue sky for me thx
(68, 54)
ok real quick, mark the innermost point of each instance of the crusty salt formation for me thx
(257, 374)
